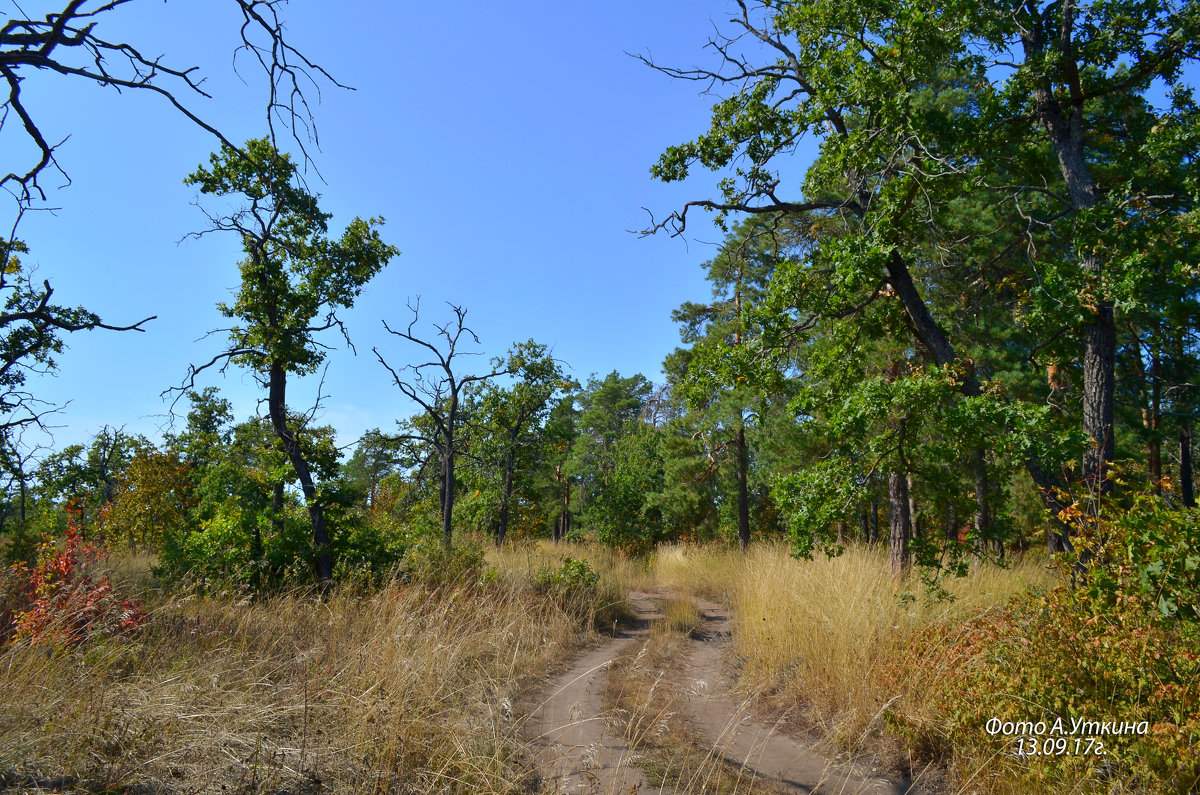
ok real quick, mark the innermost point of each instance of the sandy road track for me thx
(581, 749)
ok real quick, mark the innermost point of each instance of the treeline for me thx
(767, 424)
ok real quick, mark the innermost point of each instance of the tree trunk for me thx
(448, 471)
(1186, 484)
(873, 538)
(1148, 403)
(1099, 383)
(743, 494)
(502, 524)
(935, 341)
(914, 516)
(277, 406)
(900, 529)
(446, 492)
(984, 541)
(1156, 471)
(1064, 128)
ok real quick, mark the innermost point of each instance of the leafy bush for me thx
(1122, 645)
(572, 575)
(431, 563)
(63, 601)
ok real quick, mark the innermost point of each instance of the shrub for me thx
(65, 601)
(1121, 645)
(571, 575)
(431, 563)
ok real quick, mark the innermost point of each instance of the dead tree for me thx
(439, 396)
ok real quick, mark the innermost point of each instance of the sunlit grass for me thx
(403, 688)
(814, 634)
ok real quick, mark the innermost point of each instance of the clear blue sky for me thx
(507, 145)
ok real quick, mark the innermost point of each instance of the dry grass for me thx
(643, 691)
(680, 616)
(818, 632)
(619, 573)
(401, 689)
(815, 634)
(711, 571)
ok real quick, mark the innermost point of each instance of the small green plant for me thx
(573, 575)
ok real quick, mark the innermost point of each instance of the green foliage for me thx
(1122, 646)
(1147, 553)
(292, 271)
(154, 500)
(572, 575)
(619, 509)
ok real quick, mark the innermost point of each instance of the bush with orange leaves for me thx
(61, 599)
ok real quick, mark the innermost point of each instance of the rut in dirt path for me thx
(729, 724)
(581, 749)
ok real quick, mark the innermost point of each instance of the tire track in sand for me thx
(580, 749)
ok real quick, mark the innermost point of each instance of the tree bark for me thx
(1149, 400)
(1186, 484)
(562, 524)
(1064, 128)
(743, 494)
(1156, 471)
(277, 407)
(900, 528)
(502, 521)
(447, 488)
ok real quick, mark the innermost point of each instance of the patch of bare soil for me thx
(580, 748)
(737, 732)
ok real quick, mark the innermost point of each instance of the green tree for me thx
(964, 145)
(74, 43)
(510, 422)
(154, 500)
(294, 280)
(707, 380)
(375, 457)
(616, 461)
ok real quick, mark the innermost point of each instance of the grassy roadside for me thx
(405, 688)
(819, 638)
(642, 691)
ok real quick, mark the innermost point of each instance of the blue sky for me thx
(507, 145)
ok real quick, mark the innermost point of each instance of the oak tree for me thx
(295, 279)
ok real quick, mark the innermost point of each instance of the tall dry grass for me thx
(710, 570)
(819, 631)
(815, 634)
(400, 689)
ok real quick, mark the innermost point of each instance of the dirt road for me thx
(582, 749)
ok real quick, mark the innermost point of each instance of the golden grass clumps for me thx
(680, 615)
(401, 689)
(711, 570)
(816, 633)
(819, 631)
